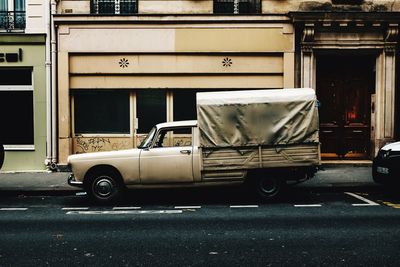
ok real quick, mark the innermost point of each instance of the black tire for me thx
(104, 186)
(268, 188)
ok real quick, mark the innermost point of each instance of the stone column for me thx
(307, 57)
(385, 91)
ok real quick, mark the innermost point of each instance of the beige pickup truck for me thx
(262, 138)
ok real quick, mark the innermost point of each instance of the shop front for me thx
(23, 102)
(116, 80)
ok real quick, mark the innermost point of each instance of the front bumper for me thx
(386, 170)
(73, 182)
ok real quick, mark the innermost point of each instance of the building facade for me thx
(23, 84)
(124, 65)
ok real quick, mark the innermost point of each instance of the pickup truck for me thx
(265, 139)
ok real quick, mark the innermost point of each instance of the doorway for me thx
(344, 86)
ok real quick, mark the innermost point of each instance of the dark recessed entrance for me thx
(345, 84)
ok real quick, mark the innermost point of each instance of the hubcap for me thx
(104, 187)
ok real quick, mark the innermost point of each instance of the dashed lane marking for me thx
(243, 206)
(187, 207)
(75, 208)
(308, 205)
(127, 208)
(13, 209)
(367, 201)
(123, 212)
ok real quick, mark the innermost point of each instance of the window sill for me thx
(101, 135)
(19, 147)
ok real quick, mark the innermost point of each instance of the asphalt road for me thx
(216, 227)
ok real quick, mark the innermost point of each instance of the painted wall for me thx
(36, 16)
(33, 56)
(178, 56)
(178, 50)
(206, 6)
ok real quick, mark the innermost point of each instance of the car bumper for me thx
(385, 171)
(73, 182)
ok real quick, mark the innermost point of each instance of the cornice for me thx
(326, 17)
(168, 19)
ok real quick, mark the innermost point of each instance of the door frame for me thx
(367, 40)
(341, 128)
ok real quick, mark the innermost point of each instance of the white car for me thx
(386, 165)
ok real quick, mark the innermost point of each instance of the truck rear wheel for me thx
(269, 187)
(104, 186)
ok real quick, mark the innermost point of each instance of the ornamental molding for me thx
(227, 62)
(123, 63)
(392, 33)
(308, 33)
(307, 49)
(390, 49)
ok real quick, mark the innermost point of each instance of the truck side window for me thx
(174, 137)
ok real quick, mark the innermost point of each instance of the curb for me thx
(346, 163)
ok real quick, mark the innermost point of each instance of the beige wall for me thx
(182, 55)
(175, 6)
(206, 6)
(175, 63)
(243, 38)
(177, 50)
(74, 7)
(36, 16)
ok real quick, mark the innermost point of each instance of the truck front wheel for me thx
(268, 188)
(104, 187)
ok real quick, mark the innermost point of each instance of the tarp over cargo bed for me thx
(257, 117)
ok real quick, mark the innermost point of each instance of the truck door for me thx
(169, 159)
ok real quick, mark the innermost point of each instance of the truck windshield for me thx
(147, 141)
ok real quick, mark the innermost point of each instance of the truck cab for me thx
(174, 148)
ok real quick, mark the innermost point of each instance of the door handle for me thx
(185, 152)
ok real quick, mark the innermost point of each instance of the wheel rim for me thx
(104, 187)
(268, 186)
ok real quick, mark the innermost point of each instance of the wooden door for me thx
(344, 88)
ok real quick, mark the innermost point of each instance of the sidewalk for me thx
(35, 181)
(331, 175)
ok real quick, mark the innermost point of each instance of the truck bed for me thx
(224, 162)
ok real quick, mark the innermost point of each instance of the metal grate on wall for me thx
(113, 7)
(237, 6)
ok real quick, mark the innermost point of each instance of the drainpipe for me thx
(49, 142)
(54, 153)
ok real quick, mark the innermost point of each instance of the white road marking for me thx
(187, 207)
(308, 205)
(13, 209)
(243, 206)
(123, 212)
(81, 194)
(368, 202)
(127, 208)
(75, 208)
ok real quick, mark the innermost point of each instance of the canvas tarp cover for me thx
(257, 117)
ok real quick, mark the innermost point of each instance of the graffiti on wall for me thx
(182, 141)
(97, 144)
